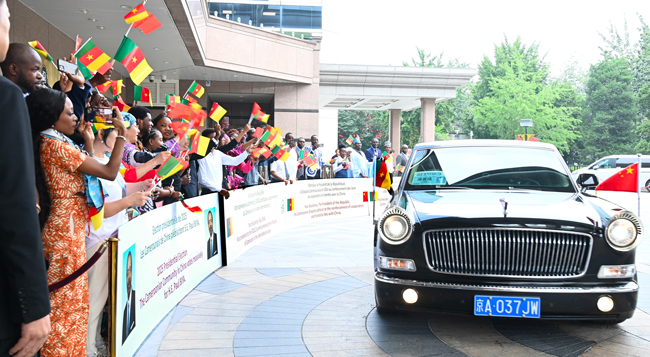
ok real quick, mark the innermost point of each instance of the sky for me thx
(386, 32)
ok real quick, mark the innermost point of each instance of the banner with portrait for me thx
(162, 255)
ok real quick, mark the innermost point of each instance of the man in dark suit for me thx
(24, 298)
(373, 153)
(128, 321)
(212, 247)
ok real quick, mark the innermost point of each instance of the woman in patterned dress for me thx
(60, 168)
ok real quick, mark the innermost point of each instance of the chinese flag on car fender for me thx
(625, 180)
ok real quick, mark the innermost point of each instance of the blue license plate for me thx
(507, 306)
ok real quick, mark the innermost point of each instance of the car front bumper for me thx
(566, 302)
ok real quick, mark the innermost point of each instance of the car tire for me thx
(647, 183)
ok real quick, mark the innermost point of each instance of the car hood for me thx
(534, 205)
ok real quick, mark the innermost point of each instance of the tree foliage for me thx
(610, 117)
(365, 123)
(515, 87)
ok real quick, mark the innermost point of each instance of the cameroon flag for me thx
(196, 90)
(93, 58)
(130, 55)
(217, 112)
(290, 204)
(170, 167)
(382, 178)
(180, 128)
(138, 13)
(142, 94)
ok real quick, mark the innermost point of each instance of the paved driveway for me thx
(308, 292)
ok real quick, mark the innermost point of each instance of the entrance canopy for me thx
(359, 87)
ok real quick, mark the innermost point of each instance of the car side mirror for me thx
(587, 180)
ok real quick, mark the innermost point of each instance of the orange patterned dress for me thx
(64, 245)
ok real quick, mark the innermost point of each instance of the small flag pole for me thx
(75, 54)
(129, 30)
(250, 120)
(638, 184)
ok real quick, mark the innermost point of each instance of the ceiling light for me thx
(157, 48)
(125, 6)
(241, 96)
(84, 11)
(268, 13)
(100, 27)
(234, 75)
(93, 20)
(168, 62)
(226, 12)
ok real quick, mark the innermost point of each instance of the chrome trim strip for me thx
(629, 287)
(536, 256)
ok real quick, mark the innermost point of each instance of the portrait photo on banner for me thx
(128, 293)
(211, 234)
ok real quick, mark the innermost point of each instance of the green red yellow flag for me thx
(264, 152)
(116, 85)
(138, 13)
(77, 43)
(217, 112)
(171, 166)
(196, 90)
(202, 148)
(119, 103)
(130, 55)
(349, 140)
(282, 155)
(387, 157)
(41, 50)
(290, 204)
(382, 178)
(258, 114)
(142, 94)
(93, 58)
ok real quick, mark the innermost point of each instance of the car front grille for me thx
(508, 252)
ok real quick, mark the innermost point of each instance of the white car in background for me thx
(607, 166)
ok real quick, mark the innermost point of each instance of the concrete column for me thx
(428, 120)
(394, 133)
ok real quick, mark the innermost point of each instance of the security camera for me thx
(163, 78)
(152, 78)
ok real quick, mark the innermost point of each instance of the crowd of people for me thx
(60, 166)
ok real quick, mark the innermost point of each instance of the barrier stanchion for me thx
(112, 296)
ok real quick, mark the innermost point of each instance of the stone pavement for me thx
(308, 292)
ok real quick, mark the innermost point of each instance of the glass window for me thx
(605, 164)
(289, 16)
(488, 168)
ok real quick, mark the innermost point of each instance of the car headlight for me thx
(624, 231)
(395, 226)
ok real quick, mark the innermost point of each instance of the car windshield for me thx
(488, 167)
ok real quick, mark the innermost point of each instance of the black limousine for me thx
(499, 228)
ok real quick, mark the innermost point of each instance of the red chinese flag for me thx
(625, 180)
(258, 132)
(365, 197)
(149, 24)
(180, 111)
(180, 128)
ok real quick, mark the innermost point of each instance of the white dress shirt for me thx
(211, 170)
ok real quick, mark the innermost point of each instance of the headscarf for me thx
(129, 119)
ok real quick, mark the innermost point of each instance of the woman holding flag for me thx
(65, 177)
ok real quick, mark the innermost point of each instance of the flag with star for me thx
(142, 94)
(93, 58)
(382, 178)
(217, 112)
(130, 55)
(625, 180)
(349, 140)
(196, 90)
(138, 13)
(119, 103)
